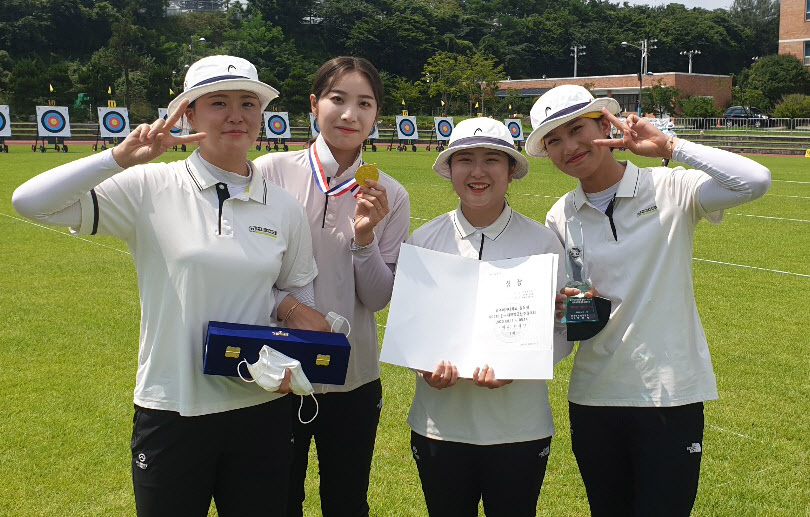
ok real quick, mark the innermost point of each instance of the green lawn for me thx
(68, 350)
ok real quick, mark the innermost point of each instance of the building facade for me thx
(794, 29)
(625, 88)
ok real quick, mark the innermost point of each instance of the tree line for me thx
(433, 54)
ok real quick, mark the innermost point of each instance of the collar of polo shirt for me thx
(202, 179)
(628, 186)
(493, 231)
(328, 162)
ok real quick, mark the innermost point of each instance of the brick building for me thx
(624, 88)
(794, 29)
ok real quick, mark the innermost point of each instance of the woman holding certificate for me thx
(357, 229)
(482, 438)
(637, 388)
(191, 228)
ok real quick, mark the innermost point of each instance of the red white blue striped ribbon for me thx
(349, 185)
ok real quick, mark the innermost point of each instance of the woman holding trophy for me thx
(637, 387)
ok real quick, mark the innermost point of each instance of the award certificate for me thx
(471, 313)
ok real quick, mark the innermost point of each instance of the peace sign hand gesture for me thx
(640, 137)
(148, 142)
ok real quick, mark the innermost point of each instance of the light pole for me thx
(191, 48)
(577, 51)
(690, 53)
(645, 50)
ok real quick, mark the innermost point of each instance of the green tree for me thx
(28, 85)
(480, 77)
(761, 18)
(444, 73)
(794, 105)
(659, 99)
(124, 45)
(778, 75)
(699, 106)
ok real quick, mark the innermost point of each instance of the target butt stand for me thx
(58, 143)
(3, 145)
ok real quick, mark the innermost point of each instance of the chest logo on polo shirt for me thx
(575, 252)
(263, 231)
(648, 210)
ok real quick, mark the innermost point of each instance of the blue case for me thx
(324, 356)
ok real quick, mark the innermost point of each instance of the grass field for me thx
(68, 352)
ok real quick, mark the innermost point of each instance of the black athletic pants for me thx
(240, 458)
(344, 433)
(455, 476)
(638, 461)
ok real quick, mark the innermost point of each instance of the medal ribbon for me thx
(349, 185)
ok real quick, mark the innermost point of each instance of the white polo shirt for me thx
(332, 224)
(194, 267)
(467, 413)
(653, 351)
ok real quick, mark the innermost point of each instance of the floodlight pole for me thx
(690, 53)
(645, 51)
(577, 51)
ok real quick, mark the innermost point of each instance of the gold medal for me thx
(367, 171)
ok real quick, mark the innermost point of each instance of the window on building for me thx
(807, 14)
(628, 102)
(807, 51)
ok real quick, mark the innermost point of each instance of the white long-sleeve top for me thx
(199, 258)
(653, 350)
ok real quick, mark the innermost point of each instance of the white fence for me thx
(730, 124)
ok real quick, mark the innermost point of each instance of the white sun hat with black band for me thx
(481, 132)
(558, 106)
(218, 73)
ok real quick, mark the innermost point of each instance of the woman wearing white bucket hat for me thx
(470, 442)
(190, 226)
(637, 388)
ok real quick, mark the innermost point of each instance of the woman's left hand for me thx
(640, 137)
(485, 377)
(372, 206)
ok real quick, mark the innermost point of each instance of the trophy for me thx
(578, 309)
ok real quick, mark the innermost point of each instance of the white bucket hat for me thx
(217, 73)
(558, 106)
(481, 132)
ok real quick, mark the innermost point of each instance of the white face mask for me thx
(338, 323)
(268, 372)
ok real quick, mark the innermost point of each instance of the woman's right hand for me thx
(444, 376)
(148, 141)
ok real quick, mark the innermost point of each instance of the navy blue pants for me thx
(344, 433)
(638, 461)
(456, 476)
(240, 458)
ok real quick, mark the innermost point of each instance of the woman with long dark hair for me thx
(357, 230)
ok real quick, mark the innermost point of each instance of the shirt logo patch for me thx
(575, 252)
(264, 231)
(647, 210)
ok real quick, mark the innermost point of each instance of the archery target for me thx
(515, 128)
(374, 134)
(5, 121)
(313, 125)
(113, 122)
(179, 129)
(53, 121)
(277, 124)
(406, 128)
(444, 127)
